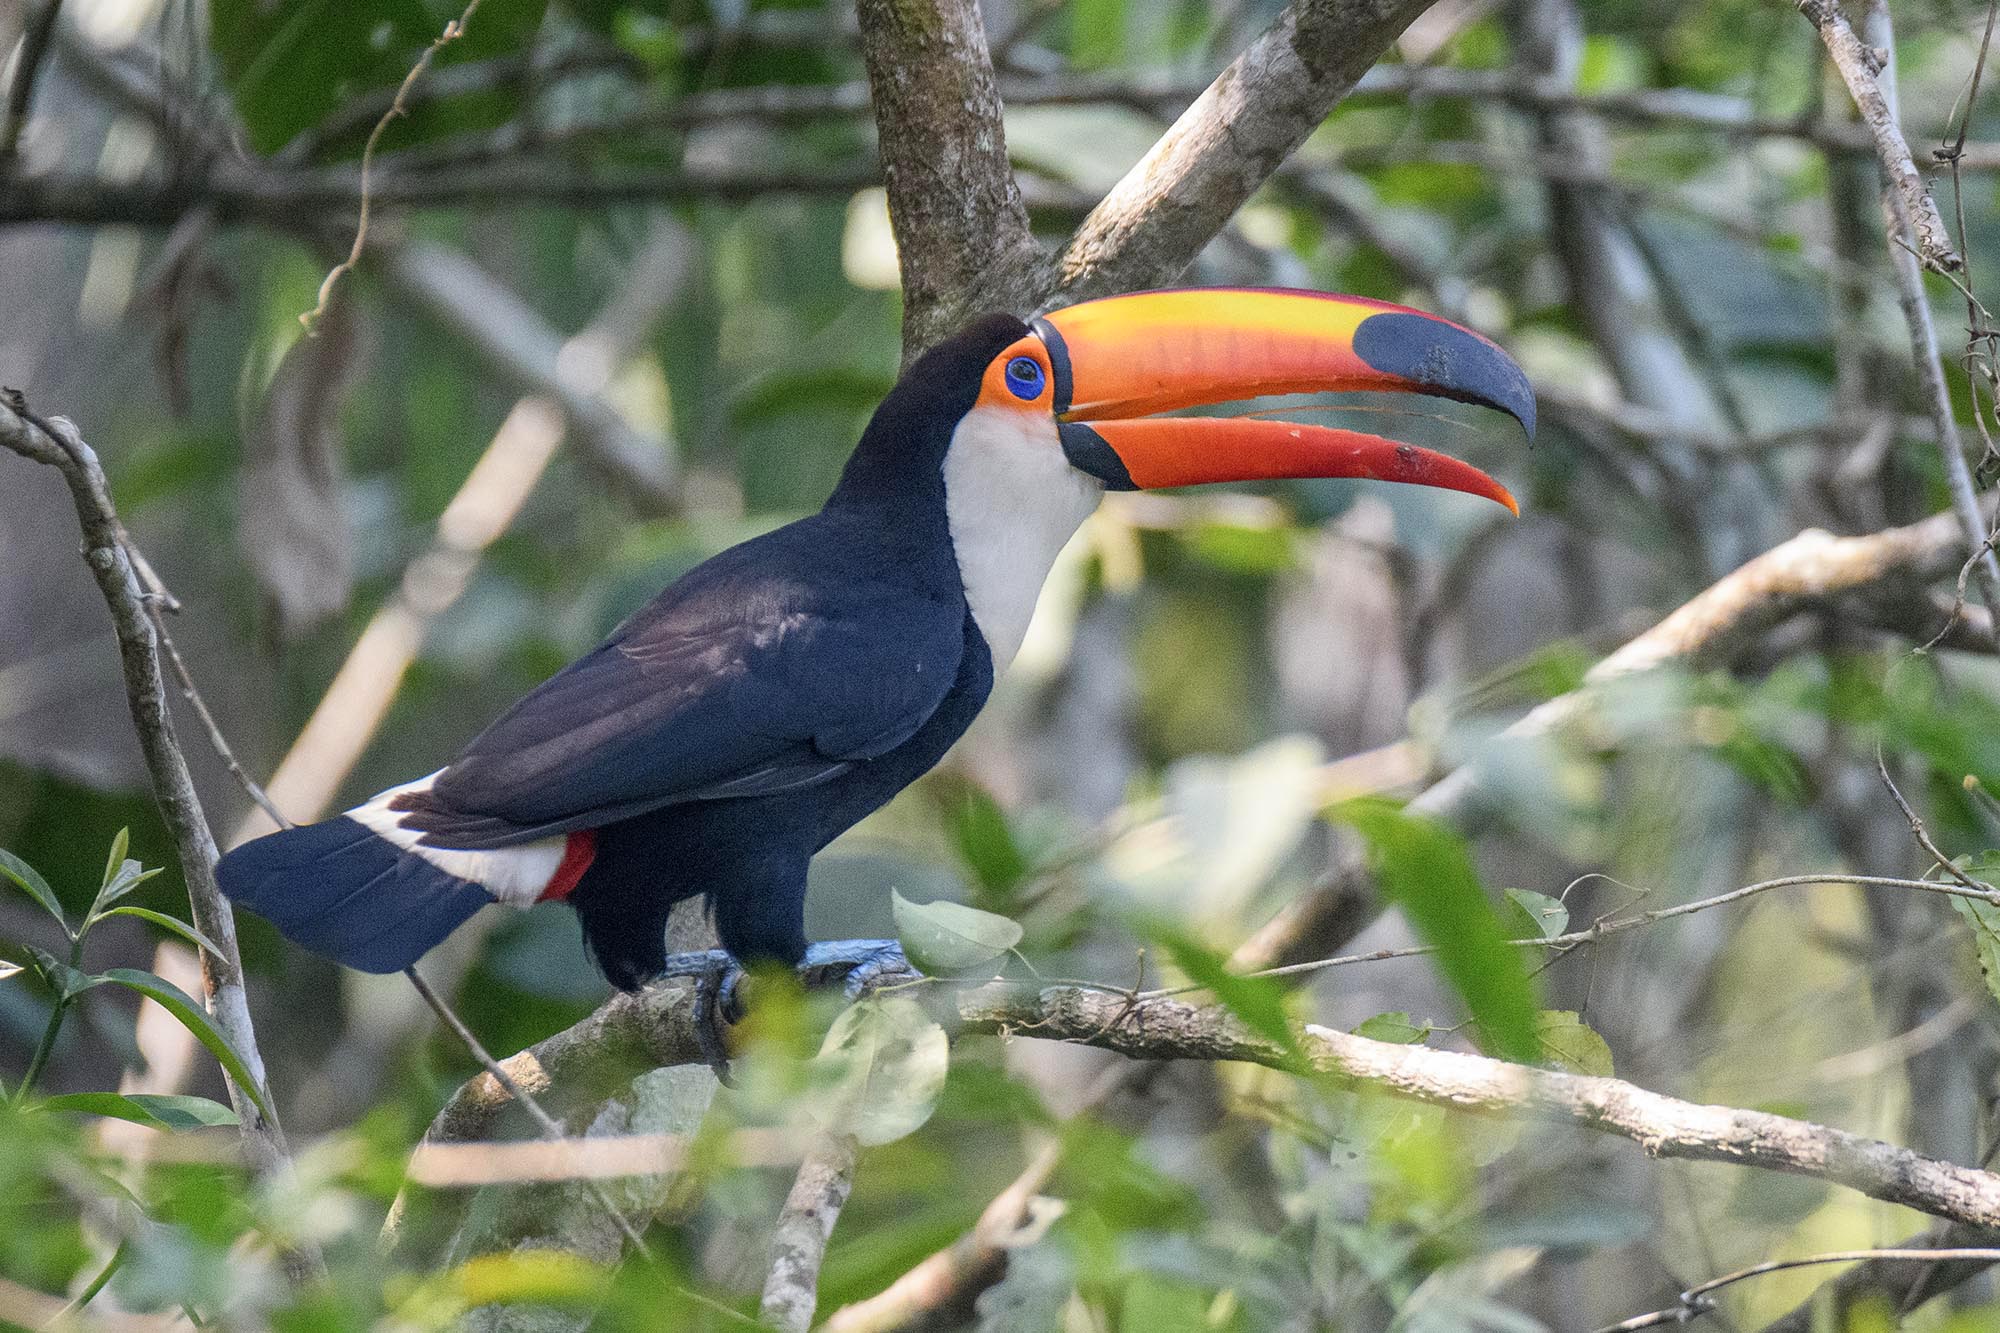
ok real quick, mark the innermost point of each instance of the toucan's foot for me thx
(716, 976)
(865, 964)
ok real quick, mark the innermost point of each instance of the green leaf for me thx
(183, 1007)
(1984, 918)
(152, 1109)
(944, 938)
(1396, 1028)
(130, 876)
(984, 839)
(1569, 1043)
(1530, 915)
(63, 979)
(1258, 1001)
(31, 883)
(882, 1068)
(1427, 870)
(165, 922)
(120, 845)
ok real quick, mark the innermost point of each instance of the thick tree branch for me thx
(654, 1024)
(961, 226)
(108, 552)
(1224, 146)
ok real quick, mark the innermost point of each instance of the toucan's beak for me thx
(1117, 361)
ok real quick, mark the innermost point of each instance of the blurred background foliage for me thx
(1211, 679)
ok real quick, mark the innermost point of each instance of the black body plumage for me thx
(718, 739)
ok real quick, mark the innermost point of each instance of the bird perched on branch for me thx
(779, 692)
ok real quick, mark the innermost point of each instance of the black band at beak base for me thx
(1089, 452)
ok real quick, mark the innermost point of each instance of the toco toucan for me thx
(776, 694)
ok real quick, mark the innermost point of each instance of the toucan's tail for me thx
(341, 889)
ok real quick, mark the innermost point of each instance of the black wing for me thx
(737, 681)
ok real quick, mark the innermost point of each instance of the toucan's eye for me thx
(1024, 377)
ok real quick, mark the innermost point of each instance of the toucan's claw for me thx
(716, 977)
(864, 964)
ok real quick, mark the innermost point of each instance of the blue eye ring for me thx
(1025, 378)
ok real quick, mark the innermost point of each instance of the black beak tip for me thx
(1448, 361)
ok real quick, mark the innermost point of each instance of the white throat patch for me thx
(1012, 500)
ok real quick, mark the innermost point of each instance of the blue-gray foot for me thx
(716, 979)
(863, 964)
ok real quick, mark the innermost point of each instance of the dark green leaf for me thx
(1258, 1001)
(1532, 915)
(192, 1017)
(155, 1110)
(945, 938)
(1426, 869)
(31, 883)
(63, 979)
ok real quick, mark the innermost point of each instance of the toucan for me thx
(777, 693)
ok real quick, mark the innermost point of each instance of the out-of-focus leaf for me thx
(192, 1017)
(165, 922)
(289, 63)
(1397, 1028)
(1569, 1043)
(292, 530)
(157, 1111)
(1984, 919)
(883, 1066)
(1530, 915)
(983, 837)
(10, 970)
(31, 883)
(944, 938)
(1426, 869)
(1258, 1001)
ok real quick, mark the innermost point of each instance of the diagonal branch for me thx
(961, 226)
(1227, 143)
(109, 553)
(1861, 68)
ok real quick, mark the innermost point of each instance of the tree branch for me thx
(21, 92)
(1860, 67)
(961, 226)
(654, 1025)
(108, 552)
(798, 1242)
(1227, 143)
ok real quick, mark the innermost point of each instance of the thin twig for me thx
(453, 30)
(216, 739)
(1696, 1300)
(1970, 888)
(550, 1127)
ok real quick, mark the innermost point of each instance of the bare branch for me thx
(1860, 68)
(1903, 1283)
(1224, 146)
(654, 1025)
(1699, 1299)
(961, 226)
(107, 551)
(798, 1242)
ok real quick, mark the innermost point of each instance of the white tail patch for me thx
(513, 875)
